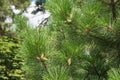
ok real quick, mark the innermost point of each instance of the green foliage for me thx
(84, 39)
(114, 74)
(60, 9)
(21, 22)
(10, 62)
(56, 73)
(34, 45)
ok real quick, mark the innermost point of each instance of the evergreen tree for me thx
(82, 41)
(10, 60)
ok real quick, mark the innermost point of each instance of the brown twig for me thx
(113, 6)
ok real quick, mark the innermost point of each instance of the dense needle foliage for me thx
(81, 43)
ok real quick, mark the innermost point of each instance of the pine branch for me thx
(43, 63)
(96, 37)
(45, 66)
(62, 32)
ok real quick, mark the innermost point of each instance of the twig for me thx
(46, 19)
